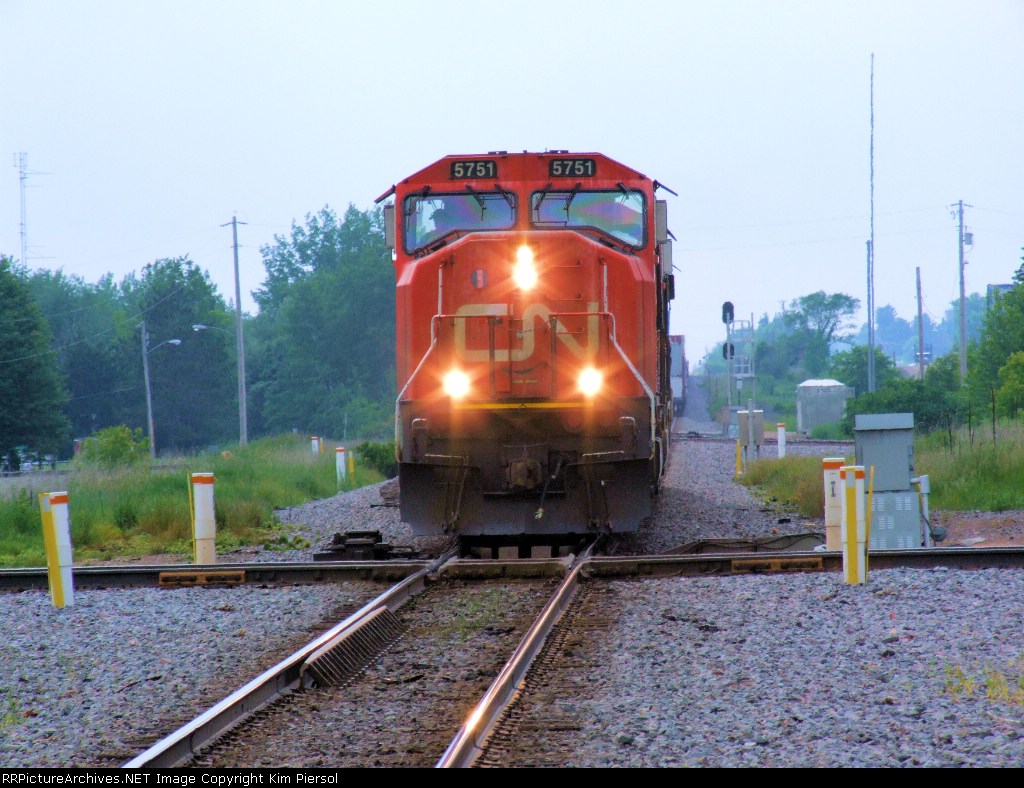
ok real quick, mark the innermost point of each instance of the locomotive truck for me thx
(533, 356)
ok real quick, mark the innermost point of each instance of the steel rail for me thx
(965, 558)
(108, 577)
(471, 738)
(181, 745)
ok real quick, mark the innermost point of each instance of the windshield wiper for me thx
(506, 194)
(419, 197)
(543, 194)
(479, 199)
(572, 195)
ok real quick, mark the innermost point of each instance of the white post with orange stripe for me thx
(833, 503)
(53, 508)
(315, 444)
(782, 439)
(855, 531)
(204, 523)
(340, 465)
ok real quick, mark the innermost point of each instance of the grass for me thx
(485, 606)
(995, 685)
(794, 482)
(136, 511)
(967, 471)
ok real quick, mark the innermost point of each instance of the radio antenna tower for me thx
(871, 245)
(21, 162)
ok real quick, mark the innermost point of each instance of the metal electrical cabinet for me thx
(886, 442)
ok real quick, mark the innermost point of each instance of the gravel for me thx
(95, 683)
(915, 668)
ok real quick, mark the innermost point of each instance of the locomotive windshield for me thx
(619, 213)
(431, 217)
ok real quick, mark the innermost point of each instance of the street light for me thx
(243, 427)
(145, 371)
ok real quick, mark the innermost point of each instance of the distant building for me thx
(820, 402)
(992, 292)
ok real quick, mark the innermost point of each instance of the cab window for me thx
(618, 213)
(430, 218)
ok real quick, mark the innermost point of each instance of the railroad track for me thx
(710, 562)
(179, 575)
(498, 718)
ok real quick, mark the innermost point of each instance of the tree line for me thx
(815, 338)
(319, 354)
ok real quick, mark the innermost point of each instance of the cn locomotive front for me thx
(533, 356)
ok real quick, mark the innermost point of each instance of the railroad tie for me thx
(351, 651)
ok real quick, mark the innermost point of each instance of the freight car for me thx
(533, 357)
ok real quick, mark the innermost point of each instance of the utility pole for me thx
(149, 395)
(963, 296)
(871, 244)
(243, 422)
(871, 321)
(920, 328)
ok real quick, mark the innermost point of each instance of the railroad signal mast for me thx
(738, 351)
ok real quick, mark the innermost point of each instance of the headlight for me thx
(524, 273)
(456, 384)
(590, 381)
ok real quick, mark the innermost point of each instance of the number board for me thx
(572, 168)
(478, 168)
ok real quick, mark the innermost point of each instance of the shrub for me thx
(831, 432)
(114, 447)
(380, 457)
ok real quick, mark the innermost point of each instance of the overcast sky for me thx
(152, 123)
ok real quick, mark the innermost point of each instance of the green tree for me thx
(903, 395)
(819, 320)
(32, 397)
(194, 385)
(1010, 394)
(1002, 336)
(324, 340)
(92, 343)
(851, 367)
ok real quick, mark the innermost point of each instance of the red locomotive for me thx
(533, 295)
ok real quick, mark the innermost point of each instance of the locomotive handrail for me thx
(401, 396)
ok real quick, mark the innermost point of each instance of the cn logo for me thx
(527, 338)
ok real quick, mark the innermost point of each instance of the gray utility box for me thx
(885, 441)
(743, 417)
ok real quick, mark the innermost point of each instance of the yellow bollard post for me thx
(53, 508)
(204, 523)
(352, 463)
(833, 502)
(340, 466)
(739, 458)
(855, 557)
